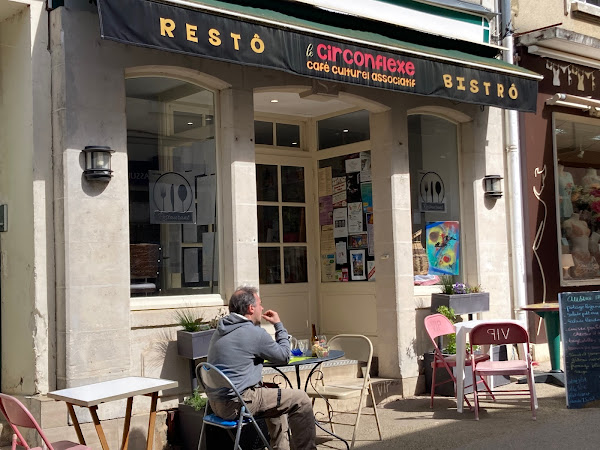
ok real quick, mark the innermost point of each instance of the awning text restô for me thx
(195, 32)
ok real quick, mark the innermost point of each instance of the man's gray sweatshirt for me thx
(239, 349)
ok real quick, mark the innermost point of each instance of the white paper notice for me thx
(325, 181)
(340, 222)
(341, 256)
(355, 218)
(327, 241)
(206, 192)
(210, 261)
(365, 167)
(339, 184)
(353, 165)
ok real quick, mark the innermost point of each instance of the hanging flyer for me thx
(355, 218)
(341, 255)
(325, 181)
(340, 223)
(365, 166)
(366, 192)
(370, 235)
(327, 241)
(328, 267)
(353, 165)
(325, 210)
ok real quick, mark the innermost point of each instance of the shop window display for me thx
(435, 198)
(346, 218)
(171, 151)
(577, 144)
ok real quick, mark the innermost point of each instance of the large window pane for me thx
(268, 224)
(344, 129)
(294, 224)
(287, 135)
(294, 260)
(269, 265)
(266, 183)
(263, 133)
(171, 154)
(292, 184)
(435, 194)
(578, 200)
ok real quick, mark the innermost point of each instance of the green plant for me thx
(188, 320)
(449, 287)
(447, 284)
(197, 400)
(449, 339)
(191, 322)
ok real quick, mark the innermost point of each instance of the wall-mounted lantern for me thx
(492, 186)
(97, 162)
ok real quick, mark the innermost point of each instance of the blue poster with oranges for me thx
(442, 245)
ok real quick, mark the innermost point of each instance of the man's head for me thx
(246, 302)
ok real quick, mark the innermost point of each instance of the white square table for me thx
(92, 395)
(462, 329)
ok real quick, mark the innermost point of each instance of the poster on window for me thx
(325, 181)
(325, 210)
(206, 191)
(355, 218)
(341, 255)
(432, 192)
(353, 165)
(358, 265)
(365, 166)
(340, 222)
(366, 192)
(442, 245)
(172, 197)
(328, 268)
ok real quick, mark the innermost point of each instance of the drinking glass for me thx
(304, 347)
(322, 340)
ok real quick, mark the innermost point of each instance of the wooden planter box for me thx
(462, 303)
(193, 345)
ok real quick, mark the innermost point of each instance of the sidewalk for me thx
(506, 424)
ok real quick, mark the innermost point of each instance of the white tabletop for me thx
(106, 391)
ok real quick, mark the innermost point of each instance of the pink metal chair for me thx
(503, 333)
(438, 325)
(18, 416)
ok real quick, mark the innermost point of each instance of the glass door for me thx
(285, 240)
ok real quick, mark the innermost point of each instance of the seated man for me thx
(239, 348)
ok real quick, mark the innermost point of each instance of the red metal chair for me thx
(496, 334)
(18, 415)
(438, 325)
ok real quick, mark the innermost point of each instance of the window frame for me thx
(200, 299)
(581, 119)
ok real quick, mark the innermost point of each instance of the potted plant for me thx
(460, 297)
(190, 414)
(193, 340)
(448, 347)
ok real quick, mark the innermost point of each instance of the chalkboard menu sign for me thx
(580, 329)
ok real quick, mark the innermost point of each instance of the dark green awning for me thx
(315, 49)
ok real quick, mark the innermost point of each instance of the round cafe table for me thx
(548, 311)
(296, 362)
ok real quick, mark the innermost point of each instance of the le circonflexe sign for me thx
(191, 31)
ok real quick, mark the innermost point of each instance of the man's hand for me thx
(271, 317)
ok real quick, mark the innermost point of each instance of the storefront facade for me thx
(295, 160)
(559, 150)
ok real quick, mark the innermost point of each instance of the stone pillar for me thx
(91, 218)
(393, 246)
(487, 261)
(238, 187)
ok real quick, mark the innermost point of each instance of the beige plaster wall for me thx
(25, 186)
(552, 13)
